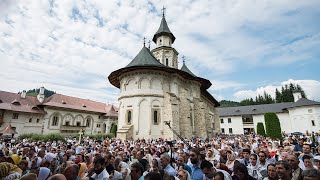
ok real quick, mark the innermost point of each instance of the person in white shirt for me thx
(100, 172)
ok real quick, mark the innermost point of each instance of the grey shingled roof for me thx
(163, 29)
(304, 102)
(264, 108)
(254, 109)
(186, 69)
(144, 58)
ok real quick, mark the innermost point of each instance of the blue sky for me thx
(244, 47)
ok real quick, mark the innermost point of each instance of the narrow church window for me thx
(155, 117)
(55, 121)
(38, 120)
(129, 117)
(88, 122)
(167, 62)
(67, 123)
(78, 124)
(312, 122)
(30, 120)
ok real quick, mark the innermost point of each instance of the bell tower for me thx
(163, 39)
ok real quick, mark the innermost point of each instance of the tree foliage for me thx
(227, 103)
(260, 129)
(35, 92)
(286, 93)
(260, 99)
(273, 128)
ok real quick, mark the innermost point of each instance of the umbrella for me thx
(8, 130)
(296, 133)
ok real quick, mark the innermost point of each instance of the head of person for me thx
(253, 159)
(284, 156)
(246, 153)
(164, 160)
(262, 156)
(140, 154)
(316, 161)
(43, 173)
(230, 155)
(272, 173)
(153, 176)
(240, 171)
(136, 171)
(29, 176)
(306, 148)
(195, 156)
(78, 159)
(307, 161)
(98, 164)
(180, 161)
(182, 174)
(310, 174)
(219, 176)
(207, 169)
(283, 169)
(293, 161)
(57, 177)
(71, 172)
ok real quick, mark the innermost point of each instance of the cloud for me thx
(72, 46)
(311, 88)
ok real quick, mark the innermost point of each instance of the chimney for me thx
(40, 96)
(23, 94)
(296, 96)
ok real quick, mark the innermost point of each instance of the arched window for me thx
(88, 122)
(129, 117)
(155, 117)
(55, 120)
(167, 62)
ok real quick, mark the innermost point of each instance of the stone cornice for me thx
(141, 95)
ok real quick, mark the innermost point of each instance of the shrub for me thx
(273, 128)
(260, 129)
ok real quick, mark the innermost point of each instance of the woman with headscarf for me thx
(9, 171)
(155, 166)
(254, 167)
(43, 173)
(231, 157)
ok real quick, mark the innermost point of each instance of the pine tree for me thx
(278, 96)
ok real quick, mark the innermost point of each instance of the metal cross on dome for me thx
(183, 59)
(144, 41)
(163, 11)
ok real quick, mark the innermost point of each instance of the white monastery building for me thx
(154, 91)
(299, 116)
(55, 114)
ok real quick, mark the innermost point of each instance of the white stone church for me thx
(153, 91)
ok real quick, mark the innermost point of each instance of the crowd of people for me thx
(228, 157)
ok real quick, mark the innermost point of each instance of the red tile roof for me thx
(14, 102)
(63, 101)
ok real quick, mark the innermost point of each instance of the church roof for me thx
(186, 69)
(304, 102)
(144, 58)
(163, 30)
(14, 102)
(75, 103)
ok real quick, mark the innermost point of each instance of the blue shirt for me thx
(170, 171)
(196, 172)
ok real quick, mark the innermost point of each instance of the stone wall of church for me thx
(200, 126)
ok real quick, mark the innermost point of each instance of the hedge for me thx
(273, 128)
(260, 129)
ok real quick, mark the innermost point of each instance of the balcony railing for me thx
(73, 128)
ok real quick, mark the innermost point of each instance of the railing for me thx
(69, 127)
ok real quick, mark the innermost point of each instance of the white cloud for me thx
(311, 88)
(72, 45)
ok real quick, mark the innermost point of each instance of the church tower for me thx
(164, 38)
